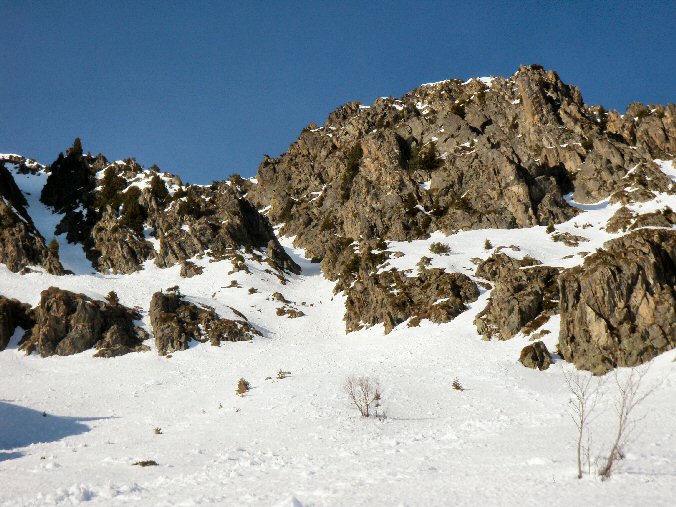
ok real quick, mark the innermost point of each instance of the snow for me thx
(297, 441)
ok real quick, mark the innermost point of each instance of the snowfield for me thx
(71, 428)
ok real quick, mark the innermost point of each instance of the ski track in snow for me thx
(506, 440)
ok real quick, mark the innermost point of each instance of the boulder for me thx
(619, 307)
(535, 355)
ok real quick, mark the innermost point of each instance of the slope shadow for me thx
(21, 426)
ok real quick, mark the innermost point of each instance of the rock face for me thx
(68, 323)
(619, 308)
(487, 153)
(21, 245)
(13, 314)
(524, 296)
(536, 355)
(176, 322)
(393, 297)
(216, 219)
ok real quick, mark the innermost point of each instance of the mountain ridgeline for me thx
(489, 153)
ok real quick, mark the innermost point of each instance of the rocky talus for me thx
(619, 307)
(69, 323)
(177, 321)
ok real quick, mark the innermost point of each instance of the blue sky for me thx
(205, 89)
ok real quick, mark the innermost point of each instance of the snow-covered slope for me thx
(71, 428)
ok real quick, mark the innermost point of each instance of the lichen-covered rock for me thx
(177, 321)
(536, 355)
(619, 308)
(69, 323)
(13, 314)
(523, 297)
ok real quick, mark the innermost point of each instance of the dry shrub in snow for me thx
(586, 393)
(630, 394)
(440, 248)
(242, 387)
(365, 394)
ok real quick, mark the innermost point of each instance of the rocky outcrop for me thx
(392, 297)
(624, 219)
(119, 249)
(536, 355)
(21, 245)
(524, 296)
(217, 220)
(13, 314)
(190, 269)
(177, 321)
(619, 308)
(68, 323)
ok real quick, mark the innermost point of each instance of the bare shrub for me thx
(365, 393)
(586, 393)
(243, 387)
(457, 385)
(440, 248)
(158, 431)
(630, 394)
(488, 245)
(281, 374)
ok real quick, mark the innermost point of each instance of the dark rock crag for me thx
(619, 307)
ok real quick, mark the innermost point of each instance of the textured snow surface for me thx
(506, 440)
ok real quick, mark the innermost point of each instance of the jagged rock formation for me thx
(619, 308)
(21, 245)
(13, 314)
(216, 219)
(68, 323)
(524, 296)
(536, 355)
(110, 209)
(176, 322)
(488, 153)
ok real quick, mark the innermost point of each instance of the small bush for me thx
(281, 374)
(158, 431)
(54, 247)
(488, 245)
(243, 387)
(365, 394)
(158, 189)
(440, 248)
(550, 228)
(457, 385)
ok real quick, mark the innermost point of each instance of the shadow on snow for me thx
(21, 427)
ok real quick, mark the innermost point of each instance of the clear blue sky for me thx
(205, 89)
